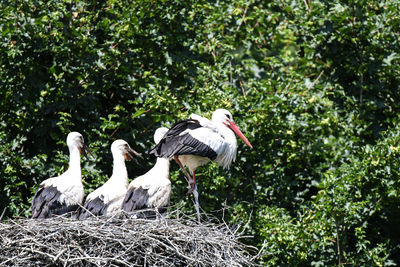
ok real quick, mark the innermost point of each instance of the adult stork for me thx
(153, 189)
(64, 193)
(107, 199)
(196, 141)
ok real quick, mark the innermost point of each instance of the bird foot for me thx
(190, 188)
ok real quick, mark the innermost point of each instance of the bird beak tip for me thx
(83, 149)
(128, 155)
(236, 129)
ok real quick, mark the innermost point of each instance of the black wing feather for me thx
(175, 144)
(95, 207)
(46, 203)
(181, 126)
(135, 199)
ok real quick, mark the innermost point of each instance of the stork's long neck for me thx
(119, 168)
(228, 155)
(74, 162)
(228, 134)
(161, 168)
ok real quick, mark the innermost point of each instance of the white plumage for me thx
(107, 199)
(153, 189)
(62, 194)
(220, 139)
(196, 141)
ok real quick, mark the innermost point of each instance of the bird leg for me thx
(196, 197)
(187, 176)
(193, 181)
(196, 201)
(192, 186)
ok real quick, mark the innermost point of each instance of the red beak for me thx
(237, 131)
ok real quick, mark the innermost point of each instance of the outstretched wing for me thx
(46, 203)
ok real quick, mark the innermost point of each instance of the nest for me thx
(120, 241)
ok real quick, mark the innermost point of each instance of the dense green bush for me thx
(314, 85)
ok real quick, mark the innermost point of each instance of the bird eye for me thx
(228, 116)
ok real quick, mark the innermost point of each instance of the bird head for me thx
(159, 134)
(225, 117)
(122, 147)
(75, 139)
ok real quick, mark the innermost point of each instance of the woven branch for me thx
(120, 241)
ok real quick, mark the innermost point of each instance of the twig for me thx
(338, 243)
(243, 17)
(230, 73)
(2, 214)
(316, 80)
(243, 91)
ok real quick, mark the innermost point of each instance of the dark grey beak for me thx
(83, 149)
(128, 154)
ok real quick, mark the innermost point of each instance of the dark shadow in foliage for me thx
(358, 63)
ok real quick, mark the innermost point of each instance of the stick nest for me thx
(119, 241)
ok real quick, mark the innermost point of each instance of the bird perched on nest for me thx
(153, 189)
(108, 198)
(196, 141)
(62, 194)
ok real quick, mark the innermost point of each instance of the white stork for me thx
(153, 189)
(107, 199)
(196, 141)
(62, 194)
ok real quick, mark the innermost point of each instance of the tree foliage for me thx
(314, 85)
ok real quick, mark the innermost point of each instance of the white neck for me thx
(227, 133)
(119, 167)
(74, 162)
(228, 155)
(161, 168)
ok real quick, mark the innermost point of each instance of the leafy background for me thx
(314, 85)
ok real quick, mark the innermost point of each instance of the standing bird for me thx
(62, 194)
(107, 199)
(153, 189)
(196, 141)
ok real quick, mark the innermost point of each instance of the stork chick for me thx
(153, 189)
(64, 193)
(107, 199)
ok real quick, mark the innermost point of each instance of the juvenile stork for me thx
(107, 199)
(153, 189)
(62, 194)
(196, 141)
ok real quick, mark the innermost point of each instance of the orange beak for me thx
(237, 131)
